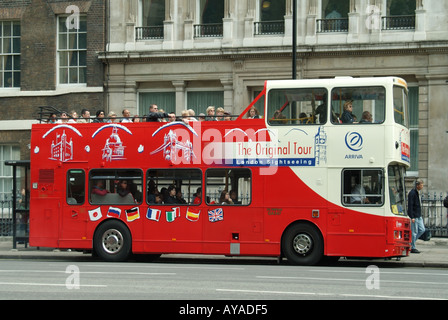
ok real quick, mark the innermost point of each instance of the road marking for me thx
(50, 284)
(348, 279)
(326, 294)
(93, 272)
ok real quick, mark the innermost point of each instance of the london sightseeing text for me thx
(298, 183)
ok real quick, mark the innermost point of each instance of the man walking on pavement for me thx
(415, 213)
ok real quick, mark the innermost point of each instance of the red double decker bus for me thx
(300, 182)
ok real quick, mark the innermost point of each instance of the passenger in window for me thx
(179, 198)
(198, 196)
(347, 116)
(359, 195)
(366, 117)
(321, 110)
(279, 118)
(99, 189)
(303, 118)
(225, 198)
(234, 197)
(123, 188)
(171, 196)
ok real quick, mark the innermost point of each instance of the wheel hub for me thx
(302, 244)
(112, 241)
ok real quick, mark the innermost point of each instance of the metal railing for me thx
(6, 218)
(149, 33)
(208, 30)
(435, 214)
(398, 23)
(332, 25)
(269, 27)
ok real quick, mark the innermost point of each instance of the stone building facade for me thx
(221, 51)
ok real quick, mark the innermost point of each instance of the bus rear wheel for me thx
(302, 244)
(112, 241)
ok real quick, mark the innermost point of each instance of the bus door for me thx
(74, 216)
(46, 207)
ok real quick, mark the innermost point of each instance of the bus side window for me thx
(187, 184)
(362, 187)
(228, 186)
(116, 186)
(368, 105)
(76, 187)
(300, 106)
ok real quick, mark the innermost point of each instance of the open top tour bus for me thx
(298, 183)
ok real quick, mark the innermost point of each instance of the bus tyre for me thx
(302, 244)
(112, 241)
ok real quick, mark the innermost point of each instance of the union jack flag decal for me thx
(216, 215)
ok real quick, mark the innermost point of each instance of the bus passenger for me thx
(347, 116)
(154, 114)
(171, 196)
(234, 197)
(99, 189)
(366, 117)
(253, 113)
(123, 188)
(225, 198)
(198, 196)
(279, 117)
(219, 114)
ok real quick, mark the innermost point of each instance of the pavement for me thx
(433, 254)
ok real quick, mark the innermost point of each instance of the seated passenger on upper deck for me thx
(347, 116)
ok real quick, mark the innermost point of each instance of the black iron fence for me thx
(435, 214)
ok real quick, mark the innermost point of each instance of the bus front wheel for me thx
(302, 244)
(112, 241)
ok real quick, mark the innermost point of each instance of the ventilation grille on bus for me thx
(46, 176)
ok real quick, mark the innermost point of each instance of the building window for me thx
(335, 16)
(153, 15)
(72, 52)
(400, 15)
(166, 101)
(199, 101)
(272, 19)
(211, 13)
(10, 54)
(413, 126)
(7, 152)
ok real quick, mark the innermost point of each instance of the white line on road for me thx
(325, 294)
(50, 284)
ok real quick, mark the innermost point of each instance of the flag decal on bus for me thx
(193, 215)
(216, 215)
(133, 214)
(173, 215)
(114, 212)
(153, 214)
(95, 214)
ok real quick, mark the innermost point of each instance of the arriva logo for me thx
(354, 141)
